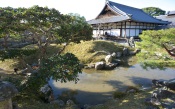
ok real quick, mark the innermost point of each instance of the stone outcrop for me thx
(118, 54)
(99, 65)
(111, 60)
(125, 51)
(47, 93)
(108, 58)
(110, 66)
(162, 92)
(7, 91)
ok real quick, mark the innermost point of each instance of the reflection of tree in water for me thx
(128, 61)
(68, 95)
(152, 65)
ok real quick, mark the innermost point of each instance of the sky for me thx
(87, 8)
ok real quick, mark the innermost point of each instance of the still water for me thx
(96, 87)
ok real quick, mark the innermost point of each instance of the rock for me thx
(114, 55)
(171, 84)
(152, 101)
(155, 102)
(108, 58)
(7, 91)
(167, 105)
(61, 103)
(125, 51)
(99, 65)
(69, 103)
(118, 54)
(47, 93)
(117, 61)
(110, 66)
(158, 83)
(131, 42)
(45, 89)
(165, 94)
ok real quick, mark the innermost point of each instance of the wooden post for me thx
(125, 29)
(121, 29)
(129, 29)
(135, 28)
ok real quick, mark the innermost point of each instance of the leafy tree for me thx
(41, 23)
(38, 22)
(153, 11)
(153, 49)
(74, 29)
(10, 24)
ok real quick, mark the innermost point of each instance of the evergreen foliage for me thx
(152, 50)
(35, 23)
(154, 11)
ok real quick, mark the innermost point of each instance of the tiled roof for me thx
(167, 18)
(127, 12)
(171, 13)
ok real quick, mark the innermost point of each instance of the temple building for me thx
(170, 16)
(123, 21)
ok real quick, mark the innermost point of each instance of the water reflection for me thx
(97, 87)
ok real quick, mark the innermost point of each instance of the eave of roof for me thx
(109, 20)
(171, 13)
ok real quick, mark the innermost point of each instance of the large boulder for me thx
(99, 65)
(118, 54)
(125, 51)
(114, 55)
(7, 91)
(70, 103)
(171, 84)
(110, 66)
(47, 93)
(108, 58)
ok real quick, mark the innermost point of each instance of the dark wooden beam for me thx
(125, 29)
(121, 29)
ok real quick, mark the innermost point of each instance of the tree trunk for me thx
(171, 51)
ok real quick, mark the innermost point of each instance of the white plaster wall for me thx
(115, 32)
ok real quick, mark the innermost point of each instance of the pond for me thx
(97, 87)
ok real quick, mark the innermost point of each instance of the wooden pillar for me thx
(125, 29)
(139, 28)
(129, 29)
(103, 30)
(97, 31)
(121, 29)
(135, 28)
